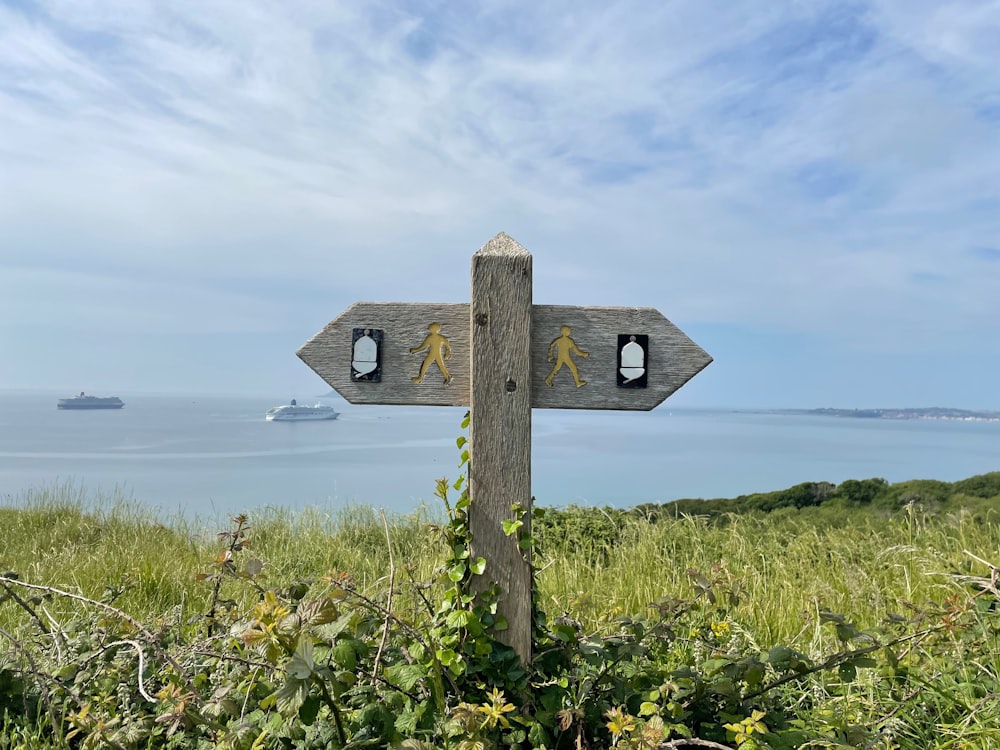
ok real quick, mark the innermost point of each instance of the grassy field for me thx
(787, 577)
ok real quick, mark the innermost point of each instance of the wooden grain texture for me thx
(405, 326)
(672, 359)
(500, 428)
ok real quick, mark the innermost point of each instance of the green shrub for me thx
(983, 485)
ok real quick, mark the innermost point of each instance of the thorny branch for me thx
(150, 637)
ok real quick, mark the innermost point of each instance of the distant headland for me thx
(931, 412)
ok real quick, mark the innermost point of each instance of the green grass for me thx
(787, 566)
(60, 537)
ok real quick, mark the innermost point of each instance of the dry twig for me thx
(23, 605)
(142, 663)
(150, 637)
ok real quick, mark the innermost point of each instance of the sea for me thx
(209, 457)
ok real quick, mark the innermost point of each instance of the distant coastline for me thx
(927, 412)
(932, 412)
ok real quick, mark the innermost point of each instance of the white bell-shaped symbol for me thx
(365, 358)
(633, 361)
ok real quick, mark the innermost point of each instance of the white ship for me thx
(294, 413)
(83, 401)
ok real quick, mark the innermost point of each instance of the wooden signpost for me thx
(502, 356)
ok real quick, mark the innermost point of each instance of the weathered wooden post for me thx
(500, 425)
(502, 356)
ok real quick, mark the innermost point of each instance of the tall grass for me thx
(787, 565)
(108, 546)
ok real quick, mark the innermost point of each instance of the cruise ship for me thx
(294, 413)
(83, 401)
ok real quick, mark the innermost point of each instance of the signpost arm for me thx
(483, 355)
(500, 428)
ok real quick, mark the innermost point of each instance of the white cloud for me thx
(960, 32)
(798, 166)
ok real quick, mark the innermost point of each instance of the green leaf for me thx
(754, 674)
(309, 710)
(457, 572)
(344, 680)
(648, 709)
(682, 730)
(291, 696)
(713, 666)
(511, 525)
(564, 633)
(345, 655)
(478, 566)
(272, 723)
(779, 657)
(847, 672)
(538, 736)
(317, 611)
(406, 723)
(458, 618)
(342, 623)
(302, 665)
(405, 675)
(724, 687)
(446, 656)
(846, 631)
(460, 441)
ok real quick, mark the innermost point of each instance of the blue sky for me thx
(810, 190)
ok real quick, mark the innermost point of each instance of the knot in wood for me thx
(510, 385)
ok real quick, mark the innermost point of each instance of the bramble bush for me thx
(403, 662)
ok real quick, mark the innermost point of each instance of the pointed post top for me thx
(502, 244)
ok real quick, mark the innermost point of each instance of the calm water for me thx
(211, 456)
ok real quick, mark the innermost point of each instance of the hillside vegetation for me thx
(975, 494)
(860, 615)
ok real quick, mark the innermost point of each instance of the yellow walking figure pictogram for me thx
(438, 350)
(562, 350)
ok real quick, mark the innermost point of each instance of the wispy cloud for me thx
(803, 167)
